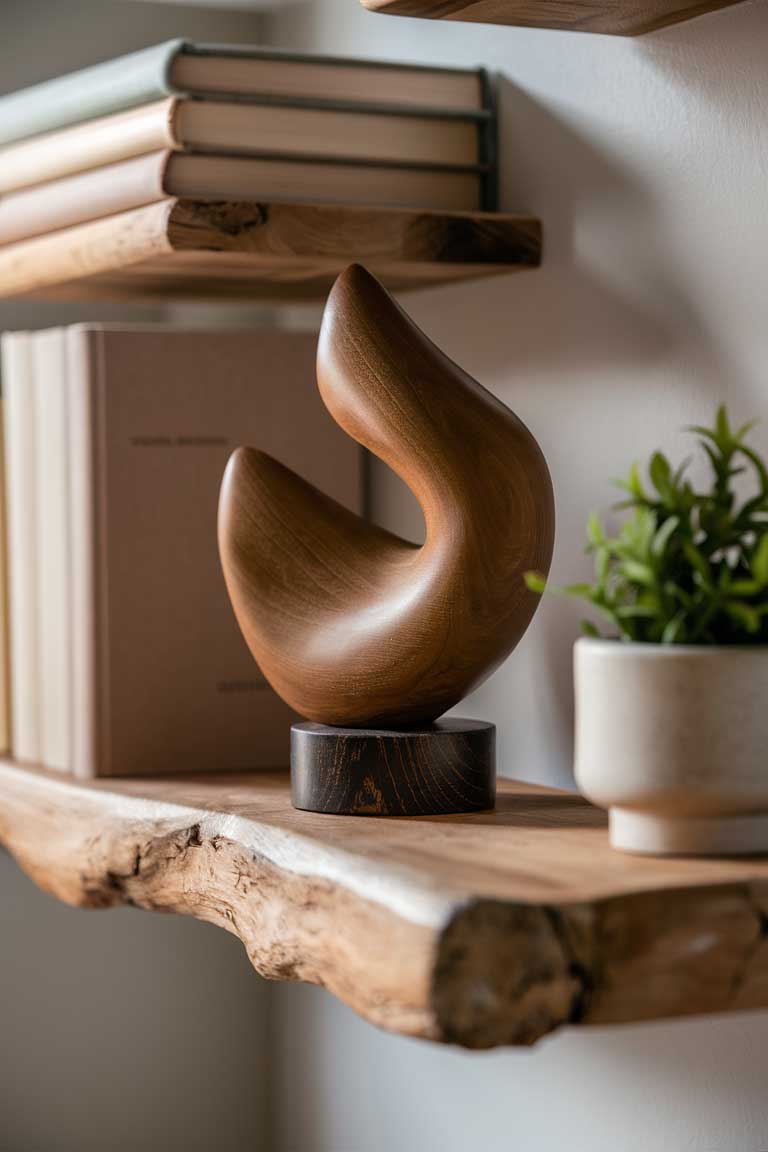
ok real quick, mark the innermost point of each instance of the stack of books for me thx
(231, 123)
(125, 655)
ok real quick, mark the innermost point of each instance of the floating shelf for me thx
(186, 248)
(478, 930)
(615, 17)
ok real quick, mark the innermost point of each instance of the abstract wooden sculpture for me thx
(352, 625)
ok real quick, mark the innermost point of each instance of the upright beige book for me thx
(162, 679)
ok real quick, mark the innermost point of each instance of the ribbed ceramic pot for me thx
(673, 741)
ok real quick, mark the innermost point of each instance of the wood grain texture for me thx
(352, 625)
(212, 251)
(446, 768)
(478, 930)
(611, 17)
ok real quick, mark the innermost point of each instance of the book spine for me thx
(86, 196)
(20, 481)
(52, 490)
(114, 85)
(87, 146)
(86, 753)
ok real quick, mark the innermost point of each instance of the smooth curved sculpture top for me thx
(350, 624)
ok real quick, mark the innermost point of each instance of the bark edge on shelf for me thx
(481, 930)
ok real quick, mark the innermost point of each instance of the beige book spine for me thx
(91, 145)
(21, 505)
(87, 196)
(303, 132)
(53, 557)
(83, 347)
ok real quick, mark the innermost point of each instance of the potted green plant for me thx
(672, 707)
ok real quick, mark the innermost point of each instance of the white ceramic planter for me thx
(673, 741)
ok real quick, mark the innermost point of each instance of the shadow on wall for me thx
(694, 1085)
(574, 314)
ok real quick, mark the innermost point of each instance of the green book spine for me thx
(112, 86)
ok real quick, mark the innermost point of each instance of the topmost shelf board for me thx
(612, 17)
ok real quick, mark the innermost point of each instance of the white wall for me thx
(125, 1032)
(648, 161)
(119, 1031)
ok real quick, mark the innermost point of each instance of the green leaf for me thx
(660, 474)
(639, 573)
(758, 464)
(673, 629)
(635, 612)
(677, 478)
(745, 588)
(535, 581)
(760, 561)
(745, 428)
(722, 427)
(634, 485)
(706, 433)
(743, 614)
(590, 629)
(663, 534)
(697, 562)
(595, 533)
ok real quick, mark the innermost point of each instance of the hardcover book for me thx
(240, 128)
(164, 175)
(180, 68)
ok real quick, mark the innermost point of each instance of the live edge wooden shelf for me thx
(260, 251)
(479, 930)
(614, 17)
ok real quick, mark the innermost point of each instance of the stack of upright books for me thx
(241, 124)
(124, 653)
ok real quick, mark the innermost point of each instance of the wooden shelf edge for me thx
(263, 251)
(608, 17)
(397, 918)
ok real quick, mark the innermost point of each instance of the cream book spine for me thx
(87, 755)
(86, 146)
(21, 505)
(52, 521)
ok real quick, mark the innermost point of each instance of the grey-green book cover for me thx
(145, 76)
(111, 86)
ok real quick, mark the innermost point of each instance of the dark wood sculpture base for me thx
(447, 767)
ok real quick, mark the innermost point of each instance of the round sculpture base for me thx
(448, 767)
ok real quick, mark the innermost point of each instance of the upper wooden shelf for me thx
(257, 251)
(614, 17)
(477, 930)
